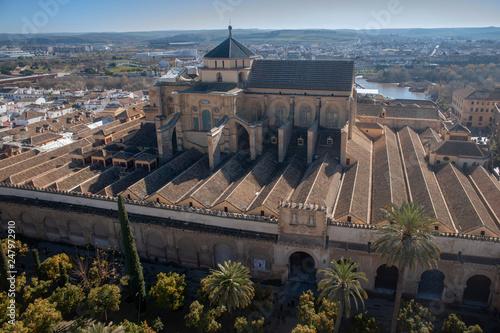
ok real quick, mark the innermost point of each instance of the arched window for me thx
(206, 121)
(305, 115)
(256, 110)
(219, 77)
(332, 118)
(279, 114)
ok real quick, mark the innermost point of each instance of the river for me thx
(391, 90)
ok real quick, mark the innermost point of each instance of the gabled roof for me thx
(391, 111)
(230, 48)
(458, 128)
(458, 148)
(329, 75)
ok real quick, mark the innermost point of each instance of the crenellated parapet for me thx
(302, 206)
(100, 198)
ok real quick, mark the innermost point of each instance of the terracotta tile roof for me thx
(27, 174)
(17, 158)
(429, 136)
(355, 195)
(458, 148)
(157, 179)
(459, 128)
(100, 181)
(73, 180)
(208, 193)
(281, 186)
(423, 187)
(180, 186)
(388, 184)
(391, 111)
(38, 140)
(122, 184)
(40, 158)
(31, 115)
(243, 195)
(463, 202)
(487, 187)
(53, 175)
(464, 92)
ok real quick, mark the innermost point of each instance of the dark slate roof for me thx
(458, 148)
(331, 75)
(210, 87)
(230, 48)
(370, 110)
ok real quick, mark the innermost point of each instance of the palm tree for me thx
(339, 284)
(102, 328)
(230, 286)
(407, 241)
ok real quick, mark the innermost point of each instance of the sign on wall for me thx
(259, 264)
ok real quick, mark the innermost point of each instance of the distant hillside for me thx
(248, 36)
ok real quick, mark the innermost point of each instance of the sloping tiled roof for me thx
(492, 95)
(243, 195)
(429, 136)
(230, 48)
(458, 148)
(176, 189)
(463, 202)
(208, 193)
(355, 196)
(302, 74)
(17, 158)
(26, 174)
(464, 92)
(156, 180)
(388, 185)
(143, 137)
(77, 178)
(422, 184)
(391, 111)
(488, 188)
(99, 182)
(121, 185)
(208, 87)
(281, 186)
(40, 158)
(52, 176)
(459, 128)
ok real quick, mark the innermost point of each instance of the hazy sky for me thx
(29, 16)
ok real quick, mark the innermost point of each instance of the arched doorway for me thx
(302, 268)
(431, 285)
(386, 280)
(241, 77)
(174, 140)
(477, 291)
(243, 137)
(222, 253)
(206, 120)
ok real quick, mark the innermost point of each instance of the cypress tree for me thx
(36, 262)
(4, 269)
(136, 282)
